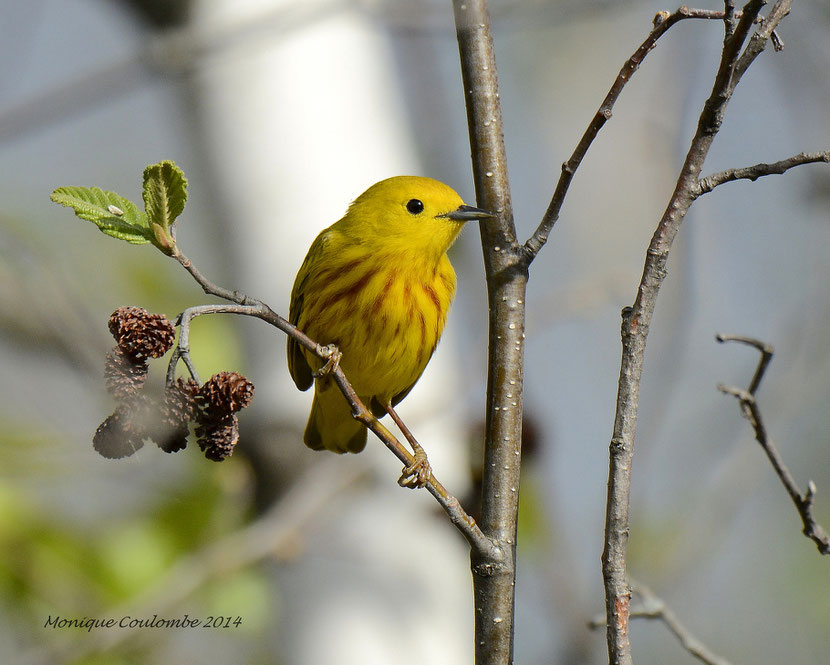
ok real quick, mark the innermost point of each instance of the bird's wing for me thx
(298, 366)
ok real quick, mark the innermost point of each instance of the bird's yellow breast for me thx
(403, 302)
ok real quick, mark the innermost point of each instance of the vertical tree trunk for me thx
(494, 576)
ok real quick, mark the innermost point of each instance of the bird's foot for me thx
(417, 474)
(333, 356)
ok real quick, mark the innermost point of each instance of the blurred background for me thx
(281, 112)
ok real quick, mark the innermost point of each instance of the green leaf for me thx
(165, 193)
(110, 212)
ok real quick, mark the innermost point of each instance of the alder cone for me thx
(176, 411)
(124, 375)
(218, 438)
(140, 334)
(118, 436)
(225, 393)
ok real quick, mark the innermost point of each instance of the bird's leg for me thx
(333, 356)
(418, 473)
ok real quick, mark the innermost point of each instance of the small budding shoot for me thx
(140, 414)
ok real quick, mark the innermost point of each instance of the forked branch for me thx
(653, 607)
(752, 412)
(636, 319)
(663, 21)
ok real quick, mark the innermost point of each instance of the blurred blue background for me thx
(280, 112)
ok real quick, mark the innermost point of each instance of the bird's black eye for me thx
(415, 206)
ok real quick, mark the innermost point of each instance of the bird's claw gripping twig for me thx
(417, 474)
(333, 356)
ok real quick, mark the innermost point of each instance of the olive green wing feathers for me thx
(298, 366)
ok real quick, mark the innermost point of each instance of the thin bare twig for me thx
(207, 286)
(707, 184)
(758, 41)
(182, 348)
(636, 321)
(663, 21)
(751, 411)
(246, 306)
(763, 348)
(637, 318)
(653, 607)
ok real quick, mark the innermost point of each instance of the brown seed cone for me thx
(224, 393)
(141, 334)
(171, 438)
(218, 438)
(185, 391)
(124, 375)
(117, 436)
(177, 409)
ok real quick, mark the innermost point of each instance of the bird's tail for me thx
(330, 424)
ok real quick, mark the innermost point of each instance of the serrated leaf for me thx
(165, 193)
(110, 212)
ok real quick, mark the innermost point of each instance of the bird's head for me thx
(410, 213)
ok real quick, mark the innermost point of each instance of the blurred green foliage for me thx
(63, 552)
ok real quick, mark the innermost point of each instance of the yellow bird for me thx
(377, 284)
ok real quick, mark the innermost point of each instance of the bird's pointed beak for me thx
(465, 213)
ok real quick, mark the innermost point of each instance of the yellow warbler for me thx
(378, 285)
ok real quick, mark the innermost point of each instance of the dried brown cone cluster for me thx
(139, 416)
(177, 410)
(218, 438)
(217, 428)
(139, 335)
(119, 435)
(124, 376)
